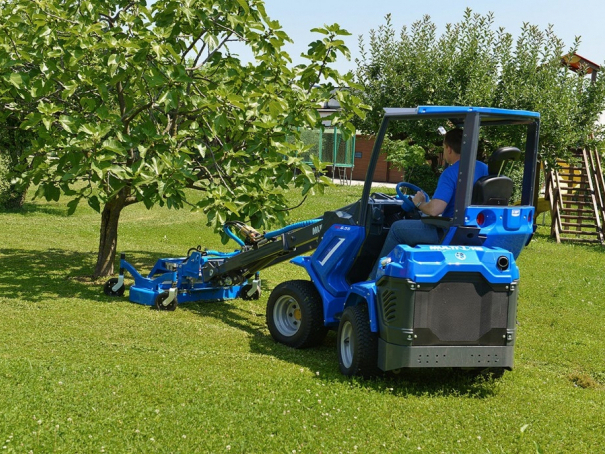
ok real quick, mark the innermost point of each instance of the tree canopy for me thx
(133, 101)
(475, 63)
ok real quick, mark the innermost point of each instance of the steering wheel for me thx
(407, 205)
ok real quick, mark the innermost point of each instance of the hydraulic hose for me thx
(274, 233)
(222, 254)
(232, 235)
(297, 225)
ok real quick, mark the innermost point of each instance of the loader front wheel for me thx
(357, 344)
(110, 284)
(295, 314)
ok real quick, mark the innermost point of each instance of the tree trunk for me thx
(15, 199)
(108, 239)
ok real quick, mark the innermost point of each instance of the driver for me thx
(412, 231)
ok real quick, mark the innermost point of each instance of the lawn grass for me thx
(80, 372)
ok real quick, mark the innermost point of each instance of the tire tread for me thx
(312, 332)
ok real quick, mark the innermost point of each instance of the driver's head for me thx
(453, 140)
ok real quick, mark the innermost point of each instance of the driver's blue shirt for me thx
(446, 187)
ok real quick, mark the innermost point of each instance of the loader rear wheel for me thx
(108, 288)
(295, 314)
(161, 306)
(357, 344)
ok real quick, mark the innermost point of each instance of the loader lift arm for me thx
(286, 246)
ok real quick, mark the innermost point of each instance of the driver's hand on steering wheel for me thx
(419, 199)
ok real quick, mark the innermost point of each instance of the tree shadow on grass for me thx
(35, 276)
(584, 245)
(323, 360)
(31, 208)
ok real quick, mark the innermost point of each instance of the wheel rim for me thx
(347, 344)
(159, 303)
(287, 315)
(108, 289)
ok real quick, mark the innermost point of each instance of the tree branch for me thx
(210, 54)
(193, 43)
(132, 114)
(130, 200)
(121, 99)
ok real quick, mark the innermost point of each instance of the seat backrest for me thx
(492, 190)
(498, 158)
(496, 189)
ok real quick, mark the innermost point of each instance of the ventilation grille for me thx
(467, 312)
(389, 305)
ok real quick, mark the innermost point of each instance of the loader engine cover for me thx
(446, 306)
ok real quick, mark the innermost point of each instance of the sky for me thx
(585, 18)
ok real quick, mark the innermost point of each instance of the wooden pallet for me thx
(575, 192)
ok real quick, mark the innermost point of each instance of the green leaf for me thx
(48, 122)
(17, 79)
(51, 192)
(87, 129)
(244, 5)
(67, 123)
(118, 171)
(97, 170)
(72, 205)
(94, 203)
(31, 120)
(114, 146)
(231, 206)
(69, 90)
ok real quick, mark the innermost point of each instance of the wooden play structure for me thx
(575, 191)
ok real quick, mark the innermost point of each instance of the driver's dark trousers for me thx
(407, 231)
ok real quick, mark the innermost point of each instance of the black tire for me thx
(244, 293)
(159, 302)
(108, 288)
(295, 314)
(357, 346)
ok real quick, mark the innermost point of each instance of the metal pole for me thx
(365, 196)
(466, 170)
(334, 150)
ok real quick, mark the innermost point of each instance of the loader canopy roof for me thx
(457, 114)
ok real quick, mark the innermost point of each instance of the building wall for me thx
(384, 171)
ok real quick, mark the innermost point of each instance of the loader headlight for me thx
(385, 261)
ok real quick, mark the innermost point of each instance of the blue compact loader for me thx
(451, 304)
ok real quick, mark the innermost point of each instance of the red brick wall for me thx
(384, 172)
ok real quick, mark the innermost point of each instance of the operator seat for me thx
(492, 190)
(496, 189)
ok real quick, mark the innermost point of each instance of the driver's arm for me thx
(434, 207)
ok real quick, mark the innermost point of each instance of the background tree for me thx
(475, 63)
(129, 102)
(13, 142)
